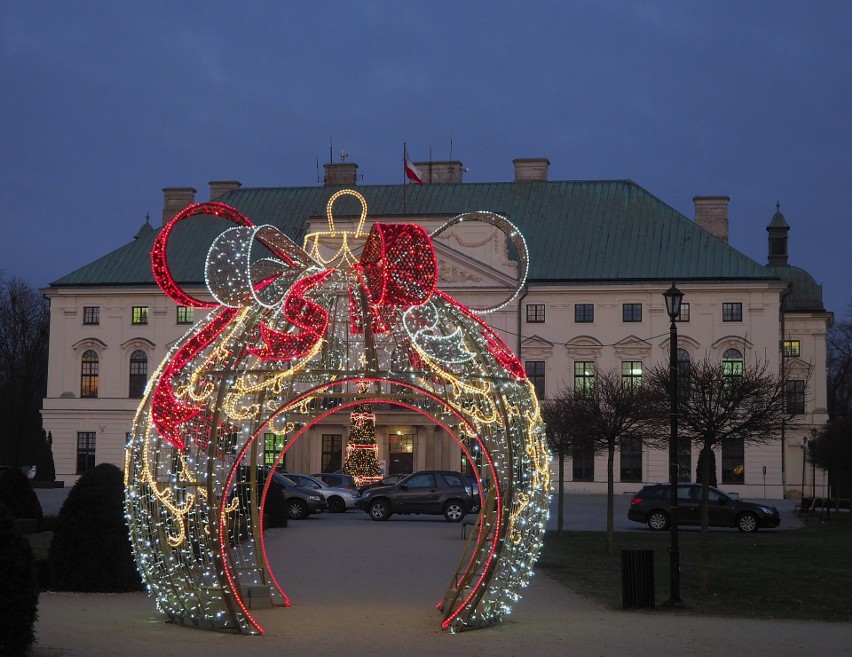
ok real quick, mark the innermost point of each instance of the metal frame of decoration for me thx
(293, 338)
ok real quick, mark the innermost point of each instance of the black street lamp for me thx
(814, 434)
(673, 297)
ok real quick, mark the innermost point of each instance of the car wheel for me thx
(454, 511)
(658, 520)
(380, 510)
(747, 522)
(336, 505)
(296, 509)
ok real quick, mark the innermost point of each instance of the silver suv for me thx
(433, 492)
(338, 499)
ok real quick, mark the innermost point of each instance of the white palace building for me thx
(601, 255)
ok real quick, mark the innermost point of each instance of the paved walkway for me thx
(362, 588)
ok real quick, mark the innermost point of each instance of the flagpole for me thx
(404, 177)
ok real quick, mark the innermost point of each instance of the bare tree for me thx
(559, 440)
(24, 328)
(717, 403)
(607, 413)
(840, 369)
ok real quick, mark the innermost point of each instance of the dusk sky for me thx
(106, 103)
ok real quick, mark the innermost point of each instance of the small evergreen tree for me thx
(45, 468)
(18, 589)
(17, 494)
(90, 550)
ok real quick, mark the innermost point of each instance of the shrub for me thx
(45, 468)
(18, 589)
(16, 492)
(90, 550)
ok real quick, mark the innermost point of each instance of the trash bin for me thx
(637, 579)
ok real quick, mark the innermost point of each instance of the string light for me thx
(296, 336)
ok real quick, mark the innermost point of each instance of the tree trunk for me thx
(560, 502)
(609, 495)
(704, 551)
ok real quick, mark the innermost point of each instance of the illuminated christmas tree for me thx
(362, 452)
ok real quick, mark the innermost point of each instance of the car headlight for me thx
(314, 498)
(767, 509)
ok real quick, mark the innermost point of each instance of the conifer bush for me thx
(18, 589)
(17, 494)
(90, 550)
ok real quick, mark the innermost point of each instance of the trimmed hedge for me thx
(90, 550)
(18, 589)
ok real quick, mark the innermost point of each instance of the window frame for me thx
(91, 315)
(732, 311)
(630, 458)
(733, 459)
(184, 315)
(629, 377)
(137, 380)
(536, 371)
(332, 446)
(584, 313)
(86, 451)
(631, 312)
(90, 362)
(535, 313)
(584, 374)
(794, 396)
(139, 315)
(683, 315)
(583, 459)
(792, 348)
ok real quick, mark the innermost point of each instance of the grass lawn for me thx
(803, 573)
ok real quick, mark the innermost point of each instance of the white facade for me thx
(475, 268)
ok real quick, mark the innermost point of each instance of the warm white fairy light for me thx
(195, 524)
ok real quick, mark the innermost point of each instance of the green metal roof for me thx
(577, 231)
(805, 292)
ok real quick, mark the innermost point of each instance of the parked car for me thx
(433, 492)
(337, 480)
(338, 499)
(652, 505)
(385, 481)
(300, 502)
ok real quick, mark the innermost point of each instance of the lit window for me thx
(535, 313)
(631, 312)
(732, 312)
(140, 315)
(631, 373)
(91, 315)
(273, 445)
(138, 373)
(732, 363)
(733, 460)
(792, 348)
(89, 367)
(185, 315)
(584, 313)
(584, 374)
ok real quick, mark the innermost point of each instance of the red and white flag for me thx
(411, 171)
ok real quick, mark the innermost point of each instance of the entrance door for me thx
(401, 450)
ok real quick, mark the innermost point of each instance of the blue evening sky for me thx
(105, 103)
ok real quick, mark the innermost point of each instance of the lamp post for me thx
(673, 297)
(814, 433)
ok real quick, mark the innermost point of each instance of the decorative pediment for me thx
(732, 342)
(798, 368)
(458, 268)
(138, 343)
(89, 343)
(683, 342)
(536, 347)
(584, 346)
(632, 346)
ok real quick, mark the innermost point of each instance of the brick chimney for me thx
(176, 199)
(531, 168)
(220, 187)
(711, 214)
(341, 173)
(449, 171)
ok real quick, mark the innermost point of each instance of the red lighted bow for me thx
(398, 270)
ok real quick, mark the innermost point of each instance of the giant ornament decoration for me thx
(294, 335)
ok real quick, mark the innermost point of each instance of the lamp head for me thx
(673, 297)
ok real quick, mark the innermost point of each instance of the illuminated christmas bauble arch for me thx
(294, 337)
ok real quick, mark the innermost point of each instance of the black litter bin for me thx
(637, 579)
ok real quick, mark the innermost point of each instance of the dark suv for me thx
(652, 505)
(433, 492)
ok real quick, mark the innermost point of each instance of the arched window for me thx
(732, 363)
(138, 373)
(89, 373)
